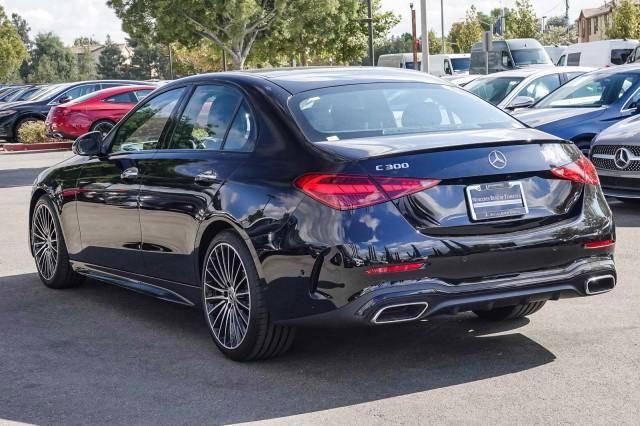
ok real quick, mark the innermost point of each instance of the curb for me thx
(33, 151)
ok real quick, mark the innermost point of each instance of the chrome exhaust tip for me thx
(401, 312)
(599, 284)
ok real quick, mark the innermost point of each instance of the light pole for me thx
(370, 27)
(425, 36)
(414, 40)
(444, 45)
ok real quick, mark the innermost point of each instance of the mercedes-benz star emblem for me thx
(497, 159)
(622, 158)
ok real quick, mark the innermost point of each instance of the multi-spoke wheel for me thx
(48, 247)
(102, 126)
(234, 305)
(226, 295)
(45, 241)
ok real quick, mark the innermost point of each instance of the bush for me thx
(33, 132)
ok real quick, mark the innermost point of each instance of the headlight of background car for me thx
(7, 112)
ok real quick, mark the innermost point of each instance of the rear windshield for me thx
(461, 64)
(493, 89)
(619, 56)
(530, 57)
(379, 109)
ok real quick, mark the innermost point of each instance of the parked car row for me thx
(93, 106)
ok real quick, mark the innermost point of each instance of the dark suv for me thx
(14, 115)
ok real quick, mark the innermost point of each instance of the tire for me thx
(103, 126)
(237, 315)
(511, 312)
(21, 123)
(49, 248)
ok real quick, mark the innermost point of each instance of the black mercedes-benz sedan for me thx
(328, 197)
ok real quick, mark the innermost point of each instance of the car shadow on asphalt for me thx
(19, 177)
(101, 353)
(625, 214)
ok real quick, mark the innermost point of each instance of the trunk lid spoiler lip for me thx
(395, 145)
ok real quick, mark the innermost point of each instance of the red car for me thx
(97, 111)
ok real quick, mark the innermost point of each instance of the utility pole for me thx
(566, 14)
(543, 19)
(425, 36)
(444, 44)
(370, 25)
(414, 40)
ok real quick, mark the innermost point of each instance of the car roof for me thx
(528, 72)
(296, 80)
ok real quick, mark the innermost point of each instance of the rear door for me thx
(108, 187)
(212, 137)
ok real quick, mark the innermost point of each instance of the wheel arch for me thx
(21, 118)
(102, 119)
(35, 196)
(209, 230)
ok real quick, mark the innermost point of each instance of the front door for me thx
(180, 188)
(109, 186)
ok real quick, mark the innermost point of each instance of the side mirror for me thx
(88, 144)
(521, 102)
(64, 99)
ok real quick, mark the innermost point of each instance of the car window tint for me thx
(141, 94)
(591, 90)
(573, 59)
(493, 89)
(572, 75)
(122, 98)
(205, 120)
(142, 129)
(78, 91)
(109, 85)
(541, 87)
(241, 136)
(619, 56)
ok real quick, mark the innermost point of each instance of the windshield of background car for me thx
(592, 90)
(493, 89)
(379, 109)
(620, 56)
(461, 64)
(530, 57)
(50, 92)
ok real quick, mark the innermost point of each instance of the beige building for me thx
(96, 49)
(592, 23)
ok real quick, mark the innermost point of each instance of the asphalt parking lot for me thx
(102, 354)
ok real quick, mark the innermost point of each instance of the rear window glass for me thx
(573, 59)
(492, 89)
(368, 110)
(619, 56)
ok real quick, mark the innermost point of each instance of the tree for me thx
(149, 60)
(12, 50)
(202, 58)
(50, 61)
(22, 27)
(85, 41)
(624, 21)
(85, 65)
(233, 25)
(110, 61)
(523, 23)
(558, 36)
(464, 34)
(435, 43)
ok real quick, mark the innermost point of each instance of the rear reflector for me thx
(599, 244)
(395, 268)
(347, 192)
(581, 170)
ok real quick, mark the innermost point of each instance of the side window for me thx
(142, 129)
(109, 85)
(573, 59)
(447, 67)
(209, 117)
(141, 94)
(122, 98)
(242, 135)
(562, 62)
(572, 75)
(541, 87)
(77, 91)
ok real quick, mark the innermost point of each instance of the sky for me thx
(74, 18)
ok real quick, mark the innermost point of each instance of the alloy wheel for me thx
(226, 295)
(104, 128)
(45, 241)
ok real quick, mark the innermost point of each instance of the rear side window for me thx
(215, 118)
(78, 91)
(379, 109)
(541, 87)
(573, 59)
(619, 56)
(122, 98)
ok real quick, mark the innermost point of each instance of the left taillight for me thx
(348, 192)
(581, 170)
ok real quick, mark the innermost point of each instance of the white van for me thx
(439, 65)
(599, 54)
(555, 52)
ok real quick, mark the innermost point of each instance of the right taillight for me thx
(581, 170)
(348, 192)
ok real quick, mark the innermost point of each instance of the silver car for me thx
(616, 154)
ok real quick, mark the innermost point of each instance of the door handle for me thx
(130, 173)
(206, 178)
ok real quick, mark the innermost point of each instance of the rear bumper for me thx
(439, 297)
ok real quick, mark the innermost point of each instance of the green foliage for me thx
(625, 20)
(110, 61)
(555, 35)
(51, 62)
(149, 60)
(86, 66)
(85, 41)
(523, 23)
(464, 34)
(33, 132)
(12, 49)
(201, 58)
(22, 27)
(435, 43)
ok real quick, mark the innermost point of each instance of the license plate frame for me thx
(476, 205)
